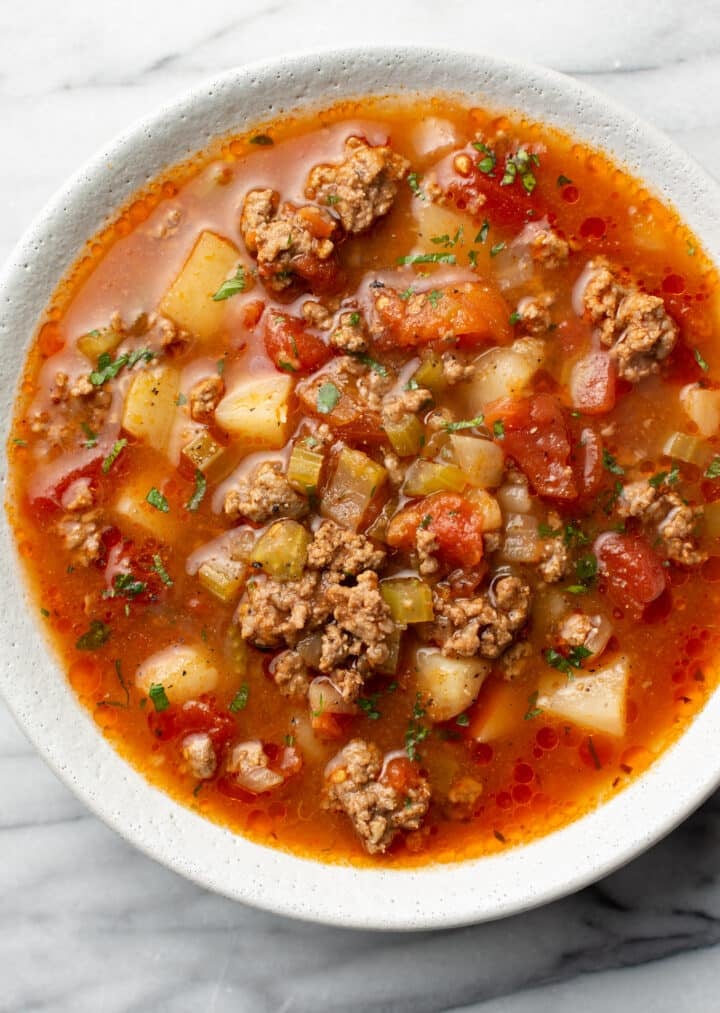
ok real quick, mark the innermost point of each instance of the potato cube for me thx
(150, 406)
(184, 673)
(189, 300)
(257, 410)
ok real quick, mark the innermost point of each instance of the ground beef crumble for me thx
(351, 334)
(377, 811)
(486, 624)
(633, 325)
(265, 496)
(205, 396)
(362, 187)
(199, 753)
(673, 520)
(342, 552)
(290, 674)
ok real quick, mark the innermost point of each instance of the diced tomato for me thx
(329, 726)
(50, 482)
(588, 462)
(203, 715)
(400, 773)
(291, 346)
(634, 573)
(482, 193)
(456, 525)
(470, 312)
(536, 435)
(350, 416)
(592, 383)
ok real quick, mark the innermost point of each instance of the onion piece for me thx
(522, 542)
(325, 698)
(249, 765)
(514, 498)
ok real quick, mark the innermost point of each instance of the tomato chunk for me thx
(634, 573)
(456, 525)
(484, 196)
(536, 435)
(592, 383)
(472, 312)
(290, 345)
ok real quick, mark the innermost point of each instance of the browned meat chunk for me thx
(205, 396)
(549, 249)
(266, 495)
(427, 545)
(290, 243)
(396, 406)
(377, 811)
(455, 370)
(290, 674)
(673, 520)
(534, 313)
(275, 613)
(351, 334)
(364, 626)
(199, 753)
(361, 188)
(81, 533)
(555, 562)
(341, 552)
(515, 662)
(486, 624)
(633, 325)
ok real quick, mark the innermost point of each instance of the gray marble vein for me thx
(89, 924)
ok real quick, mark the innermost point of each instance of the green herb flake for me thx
(427, 258)
(159, 697)
(545, 531)
(407, 293)
(92, 437)
(472, 258)
(515, 318)
(486, 165)
(125, 585)
(368, 705)
(262, 140)
(327, 397)
(289, 740)
(112, 457)
(160, 570)
(566, 663)
(499, 429)
(586, 568)
(426, 522)
(95, 637)
(497, 248)
(20, 443)
(181, 400)
(240, 700)
(200, 489)
(414, 184)
(483, 233)
(713, 469)
(463, 720)
(108, 369)
(354, 319)
(665, 477)
(533, 710)
(220, 366)
(610, 464)
(519, 166)
(156, 499)
(690, 250)
(434, 297)
(700, 360)
(416, 732)
(373, 364)
(454, 427)
(232, 286)
(563, 180)
(332, 199)
(44, 612)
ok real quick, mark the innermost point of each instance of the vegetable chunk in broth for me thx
(366, 473)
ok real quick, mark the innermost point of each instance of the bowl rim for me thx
(435, 896)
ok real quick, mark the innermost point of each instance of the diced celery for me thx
(487, 506)
(203, 454)
(282, 550)
(223, 578)
(482, 460)
(378, 528)
(407, 435)
(354, 484)
(95, 343)
(304, 467)
(430, 373)
(425, 477)
(394, 642)
(409, 599)
(684, 447)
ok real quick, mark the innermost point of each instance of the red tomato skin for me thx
(536, 435)
(457, 527)
(593, 383)
(634, 573)
(501, 205)
(290, 345)
(588, 462)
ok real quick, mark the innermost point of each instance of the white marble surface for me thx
(88, 924)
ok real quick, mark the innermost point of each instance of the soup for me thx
(366, 474)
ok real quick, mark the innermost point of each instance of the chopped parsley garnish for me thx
(486, 164)
(463, 720)
(416, 732)
(107, 369)
(713, 469)
(232, 286)
(156, 499)
(373, 364)
(239, 701)
(610, 498)
(95, 637)
(158, 696)
(454, 427)
(407, 293)
(610, 464)
(220, 366)
(586, 568)
(700, 360)
(667, 477)
(499, 429)
(332, 199)
(565, 663)
(427, 258)
(125, 585)
(446, 240)
(354, 319)
(497, 248)
(160, 570)
(483, 233)
(533, 710)
(472, 258)
(263, 140)
(327, 397)
(414, 184)
(426, 522)
(368, 705)
(515, 318)
(117, 449)
(200, 489)
(563, 180)
(545, 531)
(121, 680)
(44, 612)
(92, 437)
(181, 400)
(434, 297)
(20, 443)
(518, 166)
(289, 740)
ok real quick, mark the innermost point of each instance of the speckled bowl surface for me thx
(31, 680)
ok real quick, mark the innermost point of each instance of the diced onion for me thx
(325, 698)
(485, 504)
(597, 640)
(256, 779)
(702, 407)
(522, 542)
(514, 499)
(482, 461)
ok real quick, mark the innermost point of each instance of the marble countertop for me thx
(86, 922)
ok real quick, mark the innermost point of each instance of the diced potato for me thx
(95, 343)
(434, 136)
(150, 405)
(189, 300)
(131, 507)
(482, 460)
(595, 700)
(487, 506)
(407, 435)
(205, 455)
(305, 467)
(184, 672)
(224, 578)
(687, 448)
(257, 410)
(409, 598)
(505, 372)
(522, 542)
(355, 483)
(435, 221)
(702, 407)
(425, 477)
(282, 550)
(448, 685)
(499, 709)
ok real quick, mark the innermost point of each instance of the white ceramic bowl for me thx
(34, 685)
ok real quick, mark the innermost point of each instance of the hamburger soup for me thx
(366, 473)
